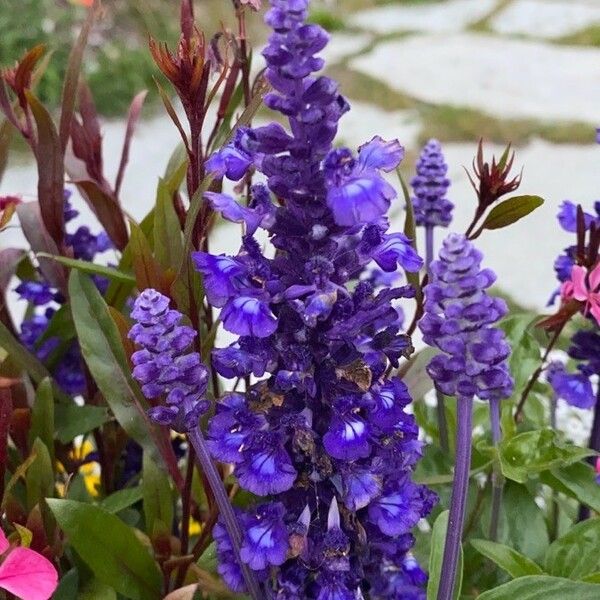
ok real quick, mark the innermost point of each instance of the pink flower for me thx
(25, 573)
(255, 4)
(598, 470)
(585, 287)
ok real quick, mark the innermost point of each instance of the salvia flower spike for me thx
(323, 439)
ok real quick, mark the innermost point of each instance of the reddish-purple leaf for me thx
(50, 165)
(69, 94)
(91, 132)
(40, 241)
(6, 130)
(108, 211)
(9, 259)
(134, 114)
(6, 106)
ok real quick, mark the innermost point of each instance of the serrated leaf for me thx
(510, 211)
(542, 587)
(110, 548)
(507, 558)
(438, 539)
(532, 452)
(575, 554)
(577, 481)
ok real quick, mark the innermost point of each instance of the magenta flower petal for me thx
(29, 575)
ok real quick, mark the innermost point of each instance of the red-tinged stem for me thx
(536, 374)
(458, 501)
(497, 478)
(5, 413)
(225, 508)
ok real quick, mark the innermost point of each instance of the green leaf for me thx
(96, 590)
(40, 475)
(523, 522)
(103, 352)
(68, 586)
(532, 452)
(22, 356)
(576, 481)
(110, 548)
(122, 499)
(168, 240)
(91, 268)
(438, 539)
(542, 587)
(575, 554)
(158, 497)
(508, 559)
(42, 417)
(146, 268)
(410, 232)
(510, 211)
(73, 420)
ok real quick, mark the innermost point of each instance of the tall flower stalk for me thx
(432, 209)
(459, 318)
(321, 436)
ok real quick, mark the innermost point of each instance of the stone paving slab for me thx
(546, 18)
(503, 77)
(453, 15)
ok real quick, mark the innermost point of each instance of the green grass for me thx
(117, 62)
(459, 124)
(590, 36)
(483, 24)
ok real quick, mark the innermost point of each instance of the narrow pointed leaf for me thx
(510, 211)
(542, 587)
(50, 165)
(507, 558)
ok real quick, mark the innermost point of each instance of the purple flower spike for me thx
(458, 320)
(430, 185)
(321, 435)
(162, 365)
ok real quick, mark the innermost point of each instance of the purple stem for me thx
(458, 501)
(225, 508)
(497, 478)
(440, 404)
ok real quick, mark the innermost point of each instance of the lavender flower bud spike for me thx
(432, 209)
(458, 320)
